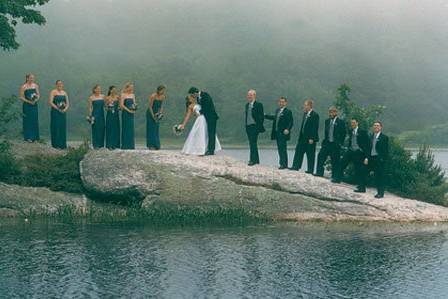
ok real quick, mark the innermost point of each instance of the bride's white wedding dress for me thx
(197, 140)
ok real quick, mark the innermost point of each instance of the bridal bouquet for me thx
(177, 130)
(90, 119)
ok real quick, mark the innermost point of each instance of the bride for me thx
(197, 140)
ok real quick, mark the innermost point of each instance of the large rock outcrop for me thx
(169, 179)
(34, 201)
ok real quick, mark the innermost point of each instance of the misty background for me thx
(391, 52)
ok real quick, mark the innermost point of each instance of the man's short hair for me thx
(193, 90)
(252, 91)
(309, 101)
(378, 122)
(333, 108)
(283, 98)
(355, 118)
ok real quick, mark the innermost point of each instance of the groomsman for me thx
(357, 152)
(254, 125)
(308, 137)
(331, 145)
(378, 154)
(281, 130)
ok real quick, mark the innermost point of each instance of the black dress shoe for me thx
(309, 172)
(318, 175)
(251, 164)
(209, 154)
(282, 167)
(379, 196)
(360, 190)
(335, 181)
(293, 168)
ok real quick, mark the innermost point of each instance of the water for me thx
(270, 156)
(43, 260)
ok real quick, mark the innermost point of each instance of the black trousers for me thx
(282, 148)
(252, 135)
(211, 128)
(377, 165)
(303, 148)
(332, 150)
(357, 158)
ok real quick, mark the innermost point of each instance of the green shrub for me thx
(57, 172)
(8, 164)
(418, 178)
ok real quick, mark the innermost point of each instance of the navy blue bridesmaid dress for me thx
(58, 124)
(113, 126)
(127, 126)
(98, 126)
(152, 127)
(30, 117)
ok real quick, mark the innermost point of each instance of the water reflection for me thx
(96, 261)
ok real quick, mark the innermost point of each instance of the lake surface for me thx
(270, 156)
(54, 260)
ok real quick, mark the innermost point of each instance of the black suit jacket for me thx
(310, 128)
(285, 122)
(382, 146)
(258, 116)
(207, 106)
(362, 138)
(338, 132)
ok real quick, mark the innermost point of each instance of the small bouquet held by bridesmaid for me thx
(158, 116)
(90, 119)
(61, 106)
(111, 107)
(133, 107)
(33, 98)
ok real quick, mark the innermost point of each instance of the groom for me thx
(211, 117)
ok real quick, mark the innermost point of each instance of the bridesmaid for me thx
(96, 111)
(59, 103)
(128, 106)
(155, 108)
(112, 119)
(29, 93)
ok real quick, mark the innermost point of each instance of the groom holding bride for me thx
(202, 138)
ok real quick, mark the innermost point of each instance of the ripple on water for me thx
(279, 261)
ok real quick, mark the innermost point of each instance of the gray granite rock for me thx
(169, 179)
(31, 201)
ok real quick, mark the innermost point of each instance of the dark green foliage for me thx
(57, 172)
(8, 164)
(348, 108)
(8, 113)
(12, 11)
(418, 178)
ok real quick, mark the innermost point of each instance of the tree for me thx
(8, 113)
(12, 11)
(365, 115)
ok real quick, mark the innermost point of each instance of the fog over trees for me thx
(389, 52)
